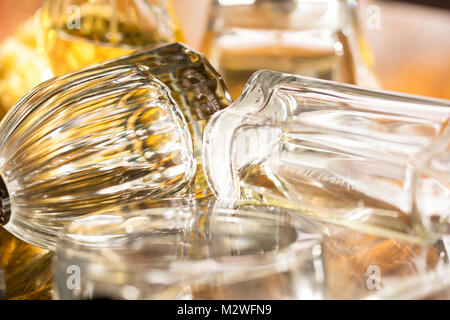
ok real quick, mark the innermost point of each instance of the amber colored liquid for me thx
(97, 38)
(27, 269)
(69, 50)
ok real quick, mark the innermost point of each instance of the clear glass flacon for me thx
(84, 141)
(373, 160)
(108, 134)
(313, 38)
(78, 33)
(190, 249)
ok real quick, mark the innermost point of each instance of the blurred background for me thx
(411, 47)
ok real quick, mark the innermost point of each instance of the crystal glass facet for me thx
(432, 285)
(335, 151)
(84, 141)
(77, 33)
(184, 249)
(196, 86)
(316, 38)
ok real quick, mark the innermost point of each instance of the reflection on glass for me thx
(364, 266)
(28, 270)
(432, 186)
(191, 249)
(307, 37)
(195, 85)
(107, 135)
(333, 151)
(188, 249)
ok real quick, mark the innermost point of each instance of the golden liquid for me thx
(28, 270)
(69, 50)
(103, 33)
(21, 67)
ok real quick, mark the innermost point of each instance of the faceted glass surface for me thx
(189, 249)
(88, 140)
(195, 85)
(334, 151)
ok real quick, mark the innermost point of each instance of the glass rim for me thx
(229, 267)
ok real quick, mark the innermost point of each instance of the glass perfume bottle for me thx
(190, 249)
(108, 134)
(83, 141)
(77, 33)
(334, 151)
(306, 37)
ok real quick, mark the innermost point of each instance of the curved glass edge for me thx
(45, 237)
(196, 86)
(256, 103)
(82, 245)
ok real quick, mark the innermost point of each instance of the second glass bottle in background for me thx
(312, 38)
(78, 33)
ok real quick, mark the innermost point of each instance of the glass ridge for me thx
(102, 136)
(331, 150)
